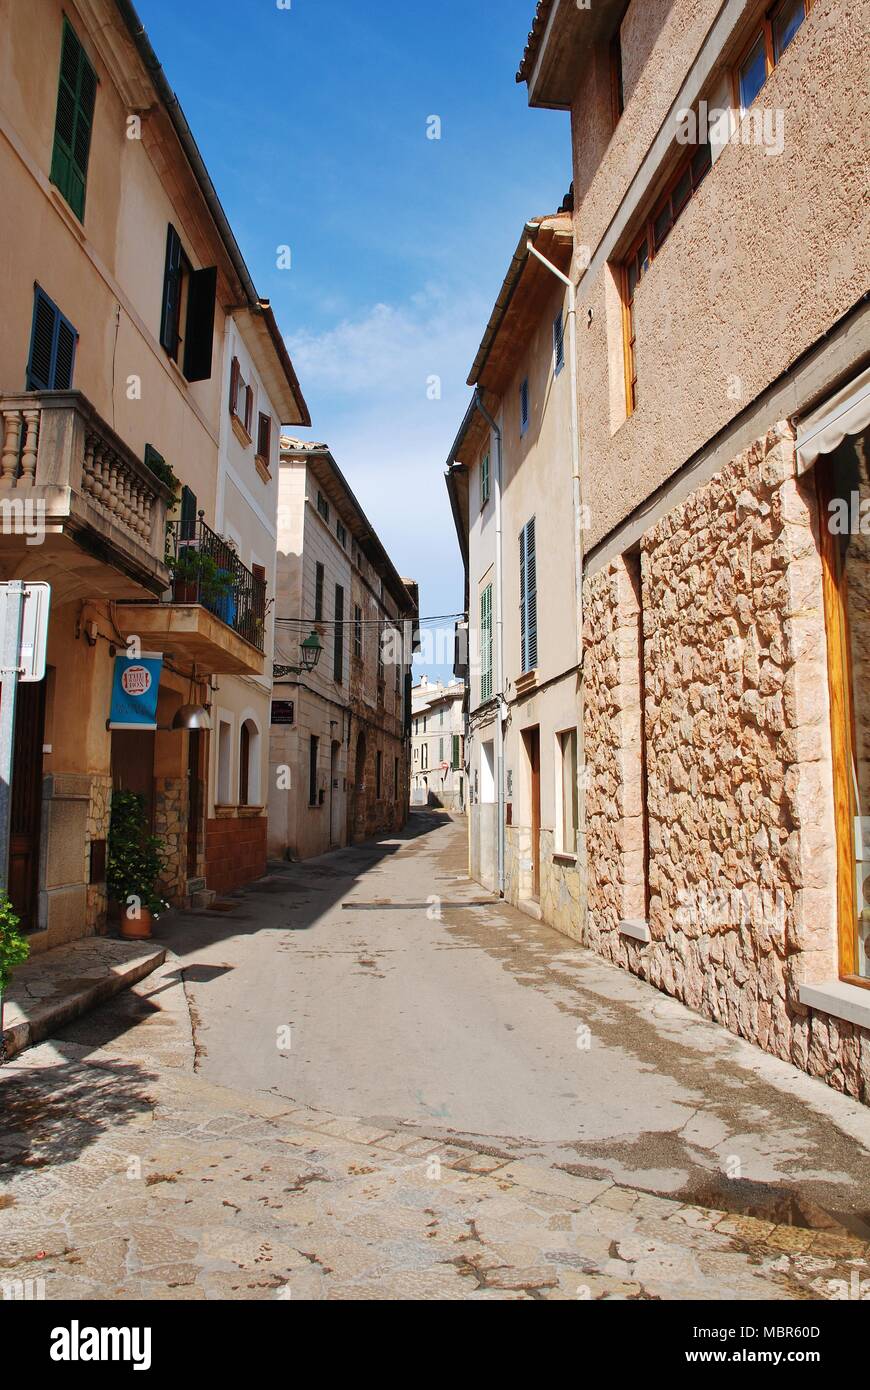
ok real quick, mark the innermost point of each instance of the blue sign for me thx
(134, 691)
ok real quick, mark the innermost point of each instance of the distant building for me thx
(339, 744)
(438, 745)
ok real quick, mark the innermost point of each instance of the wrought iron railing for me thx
(206, 570)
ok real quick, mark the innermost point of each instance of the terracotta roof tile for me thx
(536, 33)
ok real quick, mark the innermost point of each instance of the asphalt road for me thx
(373, 983)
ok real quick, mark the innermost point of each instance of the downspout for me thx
(501, 711)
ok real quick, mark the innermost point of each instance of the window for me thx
(396, 777)
(424, 755)
(341, 533)
(241, 398)
(380, 635)
(224, 762)
(188, 300)
(456, 760)
(52, 347)
(766, 47)
(73, 122)
(528, 598)
(188, 514)
(313, 749)
(338, 653)
(322, 506)
(357, 632)
(440, 750)
(690, 173)
(559, 342)
(264, 437)
(379, 774)
(486, 644)
(318, 592)
(249, 764)
(524, 406)
(484, 480)
(568, 817)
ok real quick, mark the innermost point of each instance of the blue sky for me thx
(312, 120)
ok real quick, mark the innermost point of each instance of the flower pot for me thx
(137, 928)
(185, 591)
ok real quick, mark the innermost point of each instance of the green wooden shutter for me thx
(73, 122)
(486, 644)
(528, 598)
(455, 759)
(199, 330)
(171, 293)
(338, 655)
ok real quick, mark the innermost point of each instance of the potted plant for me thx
(135, 863)
(197, 578)
(14, 950)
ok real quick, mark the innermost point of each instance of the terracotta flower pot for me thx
(137, 928)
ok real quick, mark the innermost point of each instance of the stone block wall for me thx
(97, 829)
(170, 826)
(741, 863)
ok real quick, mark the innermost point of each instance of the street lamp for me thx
(311, 650)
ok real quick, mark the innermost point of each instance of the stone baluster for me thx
(113, 503)
(11, 443)
(31, 444)
(89, 474)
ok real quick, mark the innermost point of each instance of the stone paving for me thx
(124, 1175)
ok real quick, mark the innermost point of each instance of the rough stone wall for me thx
(740, 803)
(170, 825)
(97, 829)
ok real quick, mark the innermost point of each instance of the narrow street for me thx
(360, 1078)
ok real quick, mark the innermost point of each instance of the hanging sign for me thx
(134, 691)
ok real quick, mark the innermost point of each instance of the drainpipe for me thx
(501, 710)
(576, 481)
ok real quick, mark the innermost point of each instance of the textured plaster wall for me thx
(740, 801)
(714, 330)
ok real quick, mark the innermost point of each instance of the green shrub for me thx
(135, 858)
(14, 948)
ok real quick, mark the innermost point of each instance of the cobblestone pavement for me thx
(125, 1172)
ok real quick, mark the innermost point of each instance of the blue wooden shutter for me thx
(73, 122)
(171, 293)
(559, 342)
(52, 347)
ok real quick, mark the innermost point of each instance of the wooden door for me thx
(194, 799)
(532, 739)
(26, 803)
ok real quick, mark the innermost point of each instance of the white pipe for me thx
(499, 649)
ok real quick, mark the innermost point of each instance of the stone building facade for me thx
(724, 607)
(438, 776)
(340, 733)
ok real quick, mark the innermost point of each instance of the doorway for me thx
(532, 745)
(26, 803)
(194, 800)
(334, 796)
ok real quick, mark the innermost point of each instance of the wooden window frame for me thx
(485, 466)
(264, 428)
(647, 236)
(762, 27)
(236, 381)
(843, 734)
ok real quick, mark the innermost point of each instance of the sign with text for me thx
(135, 689)
(283, 712)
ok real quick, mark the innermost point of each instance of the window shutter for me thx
(40, 365)
(264, 437)
(559, 342)
(531, 596)
(199, 332)
(338, 655)
(235, 373)
(76, 97)
(52, 347)
(318, 592)
(171, 292)
(524, 406)
(188, 514)
(486, 643)
(249, 407)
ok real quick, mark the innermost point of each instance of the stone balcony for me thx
(77, 507)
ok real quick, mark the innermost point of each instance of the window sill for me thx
(840, 1000)
(239, 431)
(262, 468)
(559, 856)
(637, 930)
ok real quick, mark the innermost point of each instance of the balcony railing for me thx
(206, 570)
(58, 455)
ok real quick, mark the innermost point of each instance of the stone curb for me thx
(39, 1018)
